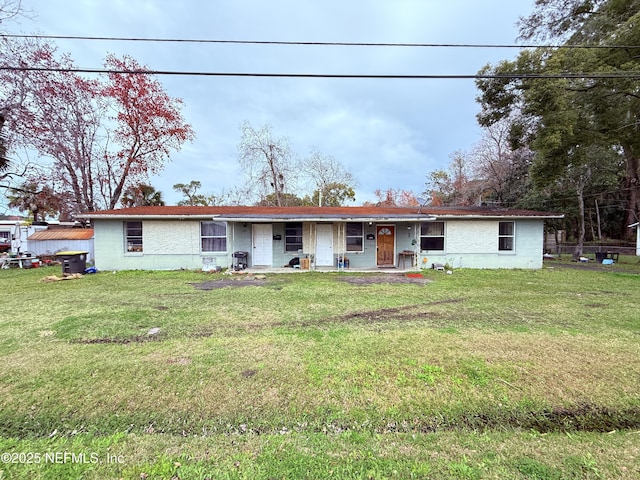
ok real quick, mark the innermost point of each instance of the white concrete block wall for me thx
(176, 244)
(474, 244)
(471, 236)
(166, 237)
(168, 245)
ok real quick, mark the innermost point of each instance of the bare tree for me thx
(267, 162)
(502, 170)
(237, 195)
(332, 183)
(10, 9)
(456, 185)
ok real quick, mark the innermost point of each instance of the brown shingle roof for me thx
(283, 213)
(63, 234)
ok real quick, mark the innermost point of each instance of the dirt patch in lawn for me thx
(424, 313)
(386, 278)
(231, 282)
(398, 314)
(118, 341)
(256, 281)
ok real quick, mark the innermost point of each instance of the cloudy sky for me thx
(389, 133)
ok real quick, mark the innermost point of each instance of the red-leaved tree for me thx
(149, 125)
(392, 197)
(100, 134)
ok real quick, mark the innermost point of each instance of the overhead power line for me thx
(584, 75)
(311, 43)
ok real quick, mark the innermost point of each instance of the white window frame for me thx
(287, 243)
(219, 237)
(511, 236)
(131, 247)
(347, 237)
(443, 236)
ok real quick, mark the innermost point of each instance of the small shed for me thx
(54, 240)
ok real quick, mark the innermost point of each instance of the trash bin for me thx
(600, 256)
(73, 262)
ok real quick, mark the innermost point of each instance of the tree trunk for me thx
(4, 161)
(275, 177)
(632, 187)
(598, 220)
(581, 225)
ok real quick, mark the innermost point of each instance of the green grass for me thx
(479, 374)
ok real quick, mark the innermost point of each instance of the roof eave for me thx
(269, 218)
(111, 216)
(266, 218)
(501, 217)
(333, 218)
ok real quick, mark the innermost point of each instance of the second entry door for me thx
(262, 244)
(324, 245)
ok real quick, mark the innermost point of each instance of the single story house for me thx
(195, 237)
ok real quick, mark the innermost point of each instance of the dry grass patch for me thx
(562, 368)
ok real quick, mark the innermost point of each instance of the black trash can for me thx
(73, 262)
(240, 260)
(600, 256)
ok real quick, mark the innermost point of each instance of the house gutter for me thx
(500, 217)
(146, 217)
(264, 219)
(258, 219)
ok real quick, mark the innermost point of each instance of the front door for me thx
(386, 241)
(324, 245)
(262, 244)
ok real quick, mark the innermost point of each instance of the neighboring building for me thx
(637, 227)
(6, 235)
(54, 240)
(14, 233)
(165, 238)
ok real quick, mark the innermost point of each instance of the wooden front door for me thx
(386, 240)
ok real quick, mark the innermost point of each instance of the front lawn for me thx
(478, 374)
